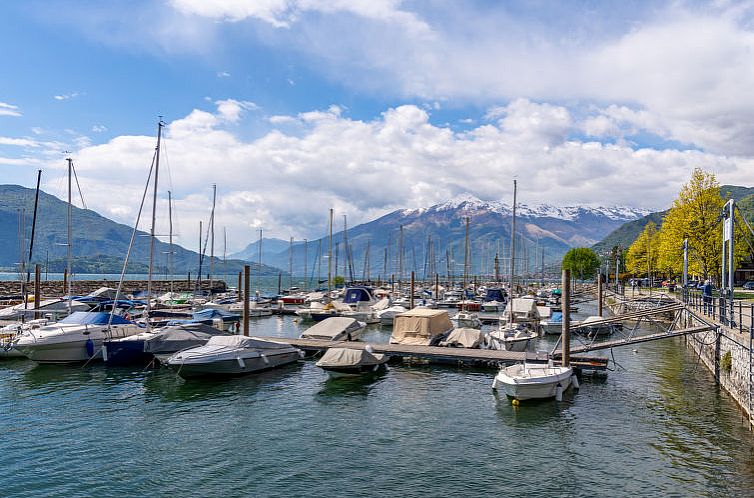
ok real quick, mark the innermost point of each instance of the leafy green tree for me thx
(338, 280)
(582, 261)
(641, 257)
(695, 215)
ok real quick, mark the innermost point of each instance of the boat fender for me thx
(240, 361)
(301, 354)
(575, 381)
(559, 393)
(265, 359)
(104, 353)
(369, 349)
(89, 347)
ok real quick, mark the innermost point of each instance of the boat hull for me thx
(234, 366)
(122, 353)
(533, 388)
(354, 371)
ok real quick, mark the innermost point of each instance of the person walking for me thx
(707, 297)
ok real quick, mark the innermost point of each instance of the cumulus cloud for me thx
(286, 183)
(9, 110)
(66, 96)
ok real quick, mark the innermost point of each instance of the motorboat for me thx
(594, 326)
(230, 355)
(464, 338)
(524, 381)
(516, 337)
(466, 319)
(337, 328)
(387, 315)
(8, 334)
(78, 337)
(143, 347)
(54, 308)
(421, 327)
(554, 324)
(339, 362)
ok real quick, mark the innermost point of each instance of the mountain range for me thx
(540, 228)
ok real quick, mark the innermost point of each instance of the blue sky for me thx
(296, 106)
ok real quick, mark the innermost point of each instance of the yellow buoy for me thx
(515, 402)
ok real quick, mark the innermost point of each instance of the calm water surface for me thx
(656, 426)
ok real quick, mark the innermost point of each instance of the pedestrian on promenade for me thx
(707, 297)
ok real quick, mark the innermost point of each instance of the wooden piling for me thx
(239, 294)
(599, 294)
(246, 272)
(566, 306)
(65, 281)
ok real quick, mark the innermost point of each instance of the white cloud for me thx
(66, 96)
(99, 128)
(223, 74)
(9, 110)
(230, 110)
(286, 183)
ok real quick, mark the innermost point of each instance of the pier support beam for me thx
(599, 294)
(566, 330)
(239, 294)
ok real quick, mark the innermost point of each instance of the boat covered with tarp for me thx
(346, 361)
(337, 328)
(464, 337)
(421, 327)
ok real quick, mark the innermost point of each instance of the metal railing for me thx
(740, 316)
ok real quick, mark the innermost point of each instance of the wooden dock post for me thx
(411, 297)
(566, 338)
(65, 281)
(437, 288)
(599, 294)
(37, 293)
(246, 271)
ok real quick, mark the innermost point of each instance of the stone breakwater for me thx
(54, 288)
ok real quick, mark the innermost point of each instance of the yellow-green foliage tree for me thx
(695, 215)
(642, 255)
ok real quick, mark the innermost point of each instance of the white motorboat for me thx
(466, 319)
(337, 328)
(55, 308)
(533, 381)
(594, 326)
(9, 332)
(387, 315)
(338, 362)
(228, 355)
(512, 338)
(78, 337)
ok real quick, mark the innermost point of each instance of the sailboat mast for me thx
(290, 265)
(170, 239)
(225, 253)
(329, 261)
(466, 256)
(306, 264)
(70, 234)
(154, 218)
(259, 266)
(513, 256)
(212, 236)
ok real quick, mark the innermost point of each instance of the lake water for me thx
(657, 426)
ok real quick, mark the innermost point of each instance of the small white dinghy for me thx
(524, 381)
(338, 362)
(232, 355)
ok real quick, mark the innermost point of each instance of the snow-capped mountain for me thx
(543, 227)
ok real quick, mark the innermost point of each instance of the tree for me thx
(695, 215)
(641, 257)
(582, 261)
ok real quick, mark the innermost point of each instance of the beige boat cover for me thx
(523, 308)
(419, 326)
(332, 328)
(346, 357)
(464, 337)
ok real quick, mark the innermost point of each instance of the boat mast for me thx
(170, 239)
(69, 256)
(154, 218)
(212, 236)
(466, 257)
(290, 266)
(329, 262)
(31, 242)
(225, 253)
(306, 264)
(513, 258)
(259, 266)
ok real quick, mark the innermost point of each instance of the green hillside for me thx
(625, 235)
(99, 244)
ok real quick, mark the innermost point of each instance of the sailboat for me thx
(512, 336)
(80, 335)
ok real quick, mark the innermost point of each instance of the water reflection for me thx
(352, 385)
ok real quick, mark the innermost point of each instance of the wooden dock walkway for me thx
(436, 354)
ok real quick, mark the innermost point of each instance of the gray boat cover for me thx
(330, 328)
(345, 357)
(419, 326)
(464, 338)
(174, 339)
(241, 341)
